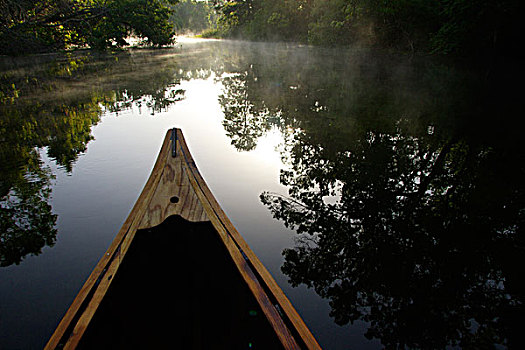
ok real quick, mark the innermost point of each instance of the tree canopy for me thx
(193, 16)
(31, 26)
(461, 27)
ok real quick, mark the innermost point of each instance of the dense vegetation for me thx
(463, 27)
(30, 26)
(190, 16)
(485, 28)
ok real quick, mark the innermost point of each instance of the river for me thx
(383, 193)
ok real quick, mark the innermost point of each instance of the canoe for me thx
(178, 274)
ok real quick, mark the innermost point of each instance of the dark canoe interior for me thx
(178, 288)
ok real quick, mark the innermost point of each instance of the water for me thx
(384, 195)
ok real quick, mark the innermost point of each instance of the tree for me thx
(50, 25)
(480, 28)
(193, 16)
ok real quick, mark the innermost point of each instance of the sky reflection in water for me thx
(408, 203)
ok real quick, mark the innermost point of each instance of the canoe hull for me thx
(177, 288)
(176, 189)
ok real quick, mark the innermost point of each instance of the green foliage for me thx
(211, 33)
(8, 92)
(193, 16)
(461, 27)
(264, 19)
(234, 14)
(333, 22)
(277, 19)
(406, 24)
(49, 25)
(480, 27)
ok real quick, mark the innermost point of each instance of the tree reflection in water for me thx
(408, 206)
(245, 120)
(51, 103)
(422, 242)
(27, 223)
(404, 185)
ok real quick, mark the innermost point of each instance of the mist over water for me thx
(383, 193)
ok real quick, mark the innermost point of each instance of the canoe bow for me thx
(176, 187)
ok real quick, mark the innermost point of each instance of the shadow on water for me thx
(405, 179)
(405, 189)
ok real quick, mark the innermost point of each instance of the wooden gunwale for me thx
(101, 269)
(276, 291)
(284, 319)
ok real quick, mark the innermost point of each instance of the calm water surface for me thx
(384, 195)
